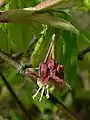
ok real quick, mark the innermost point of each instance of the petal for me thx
(44, 81)
(60, 68)
(31, 72)
(43, 70)
(57, 79)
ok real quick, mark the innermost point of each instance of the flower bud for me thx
(60, 68)
(51, 64)
(43, 70)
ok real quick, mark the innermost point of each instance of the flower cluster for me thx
(49, 72)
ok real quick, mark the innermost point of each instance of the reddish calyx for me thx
(50, 70)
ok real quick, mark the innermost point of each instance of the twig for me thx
(10, 61)
(16, 56)
(83, 52)
(15, 96)
(52, 98)
(13, 63)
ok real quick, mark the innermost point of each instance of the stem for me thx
(10, 61)
(83, 52)
(15, 97)
(14, 64)
(52, 98)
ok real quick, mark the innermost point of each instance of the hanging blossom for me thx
(49, 72)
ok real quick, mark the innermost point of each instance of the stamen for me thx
(47, 92)
(37, 92)
(68, 86)
(42, 92)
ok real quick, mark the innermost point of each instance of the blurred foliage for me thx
(33, 40)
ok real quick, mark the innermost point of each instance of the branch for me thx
(10, 61)
(15, 97)
(17, 66)
(83, 52)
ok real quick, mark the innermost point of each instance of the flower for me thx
(49, 72)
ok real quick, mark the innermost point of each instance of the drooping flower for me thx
(49, 72)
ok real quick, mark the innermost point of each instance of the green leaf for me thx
(58, 46)
(87, 3)
(17, 15)
(70, 56)
(41, 47)
(58, 12)
(15, 35)
(28, 15)
(54, 22)
(19, 35)
(66, 53)
(3, 38)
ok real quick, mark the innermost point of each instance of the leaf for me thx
(3, 38)
(20, 35)
(41, 47)
(16, 15)
(28, 15)
(58, 46)
(70, 56)
(66, 53)
(60, 13)
(15, 35)
(87, 3)
(54, 22)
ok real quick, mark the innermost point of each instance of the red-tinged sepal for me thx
(51, 64)
(57, 80)
(45, 81)
(60, 68)
(43, 70)
(30, 72)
